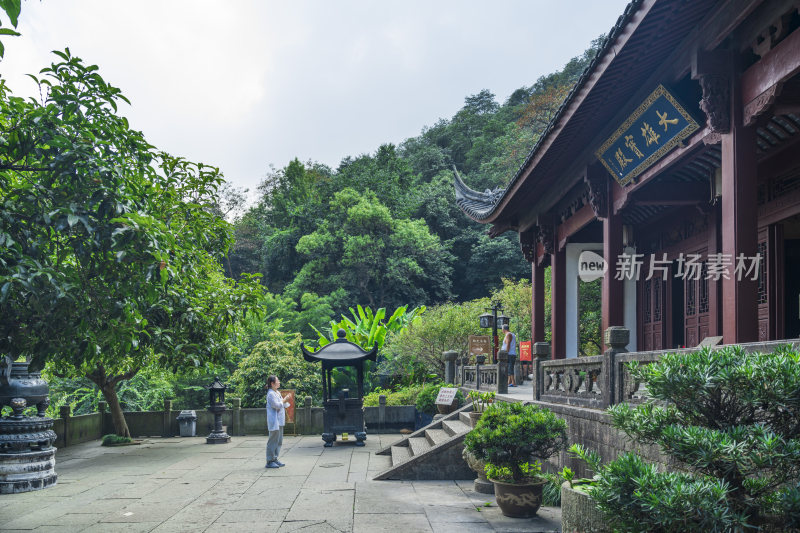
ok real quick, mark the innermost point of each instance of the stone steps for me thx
(433, 452)
(400, 454)
(455, 427)
(418, 445)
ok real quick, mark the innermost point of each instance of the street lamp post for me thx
(492, 320)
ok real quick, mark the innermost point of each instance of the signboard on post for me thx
(479, 344)
(447, 395)
(657, 126)
(525, 351)
(288, 395)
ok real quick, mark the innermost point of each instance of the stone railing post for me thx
(502, 372)
(617, 338)
(450, 366)
(65, 412)
(102, 408)
(236, 417)
(479, 360)
(166, 430)
(464, 363)
(540, 351)
(381, 411)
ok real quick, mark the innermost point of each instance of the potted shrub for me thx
(729, 418)
(480, 401)
(579, 512)
(507, 437)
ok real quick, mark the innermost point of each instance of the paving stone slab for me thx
(396, 497)
(378, 523)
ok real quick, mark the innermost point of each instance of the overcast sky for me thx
(243, 85)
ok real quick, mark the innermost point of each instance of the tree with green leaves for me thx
(376, 258)
(110, 251)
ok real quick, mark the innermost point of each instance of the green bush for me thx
(279, 355)
(509, 434)
(730, 419)
(112, 439)
(401, 396)
(426, 399)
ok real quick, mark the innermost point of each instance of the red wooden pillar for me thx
(612, 301)
(537, 302)
(714, 287)
(739, 222)
(558, 315)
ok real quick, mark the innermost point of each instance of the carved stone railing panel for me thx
(573, 381)
(486, 373)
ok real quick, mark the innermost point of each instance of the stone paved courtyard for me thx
(186, 485)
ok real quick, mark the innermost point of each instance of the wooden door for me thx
(652, 312)
(696, 315)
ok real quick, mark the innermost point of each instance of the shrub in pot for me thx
(731, 420)
(507, 437)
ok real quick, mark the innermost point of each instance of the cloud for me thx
(242, 85)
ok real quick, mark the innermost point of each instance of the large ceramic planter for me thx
(579, 513)
(518, 501)
(481, 484)
(447, 409)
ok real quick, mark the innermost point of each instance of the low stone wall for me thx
(72, 430)
(592, 428)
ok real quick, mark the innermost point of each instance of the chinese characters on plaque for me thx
(657, 126)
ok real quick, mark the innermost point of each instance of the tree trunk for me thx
(117, 416)
(109, 389)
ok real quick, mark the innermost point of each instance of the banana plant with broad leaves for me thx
(368, 329)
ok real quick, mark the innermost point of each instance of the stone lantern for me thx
(216, 398)
(27, 455)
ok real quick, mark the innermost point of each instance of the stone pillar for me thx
(502, 372)
(382, 411)
(479, 360)
(616, 338)
(64, 412)
(166, 430)
(518, 377)
(540, 351)
(613, 310)
(450, 366)
(537, 303)
(236, 417)
(739, 220)
(558, 289)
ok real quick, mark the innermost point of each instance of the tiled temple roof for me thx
(480, 206)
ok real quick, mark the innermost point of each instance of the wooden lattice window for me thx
(762, 275)
(657, 300)
(703, 296)
(691, 296)
(647, 296)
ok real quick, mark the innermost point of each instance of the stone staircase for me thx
(433, 452)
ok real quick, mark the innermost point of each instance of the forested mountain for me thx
(383, 229)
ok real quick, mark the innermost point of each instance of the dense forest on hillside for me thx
(383, 229)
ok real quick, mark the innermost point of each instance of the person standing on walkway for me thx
(276, 419)
(510, 346)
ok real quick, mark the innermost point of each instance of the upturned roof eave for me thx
(494, 213)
